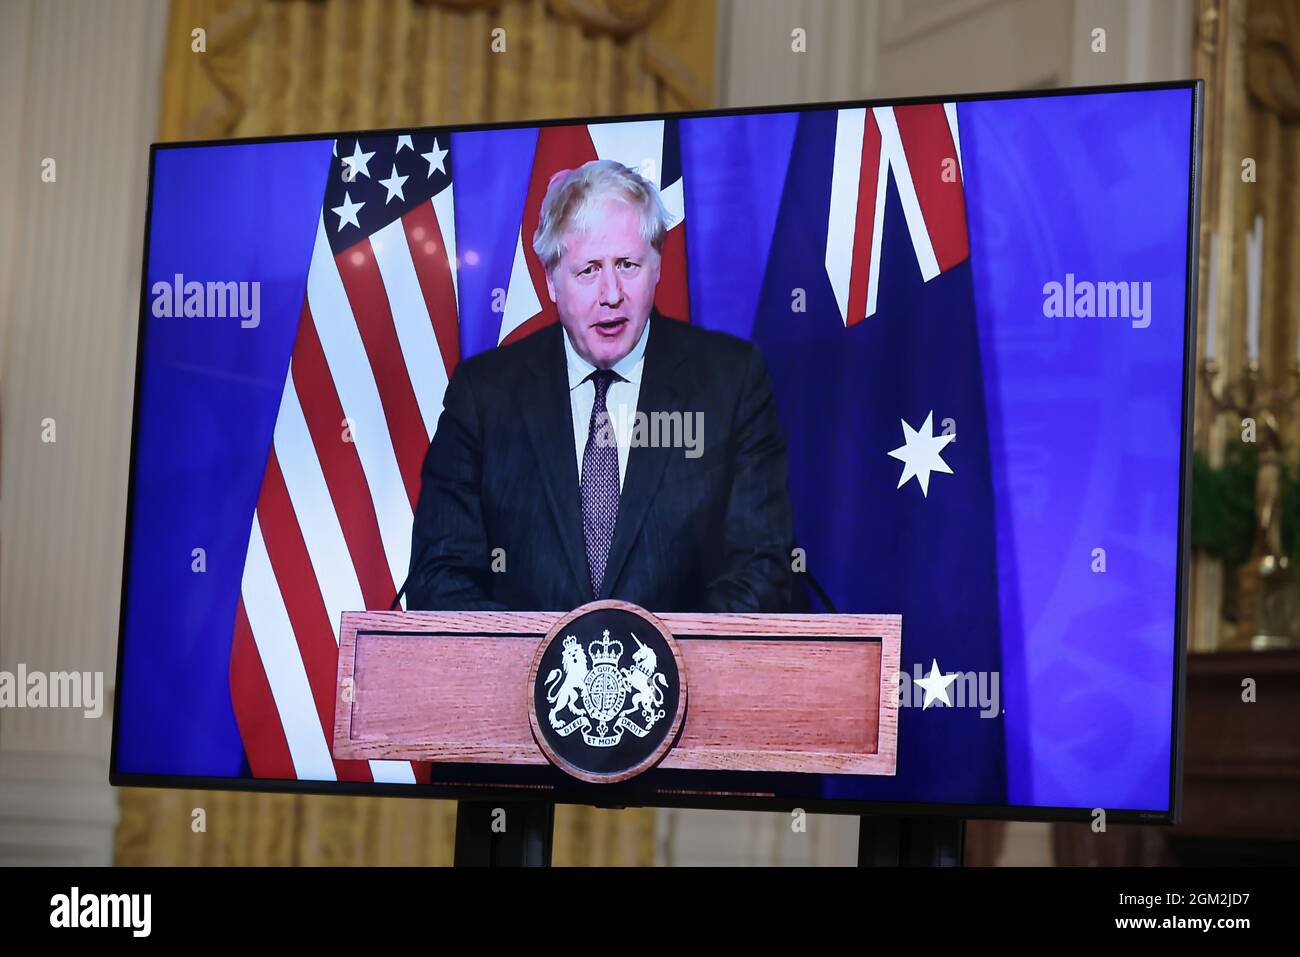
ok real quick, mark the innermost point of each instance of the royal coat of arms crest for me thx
(594, 692)
(607, 692)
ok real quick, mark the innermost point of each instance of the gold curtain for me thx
(267, 67)
(303, 66)
(161, 827)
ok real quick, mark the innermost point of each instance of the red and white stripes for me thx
(920, 145)
(377, 342)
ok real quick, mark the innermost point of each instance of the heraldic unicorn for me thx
(602, 689)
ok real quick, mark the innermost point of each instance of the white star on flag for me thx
(919, 453)
(394, 186)
(435, 157)
(347, 213)
(935, 686)
(358, 162)
(404, 142)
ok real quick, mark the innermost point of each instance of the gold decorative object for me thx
(1248, 53)
(1271, 407)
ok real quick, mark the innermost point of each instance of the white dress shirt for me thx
(620, 398)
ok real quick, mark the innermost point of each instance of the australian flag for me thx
(867, 321)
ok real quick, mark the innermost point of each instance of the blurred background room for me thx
(91, 83)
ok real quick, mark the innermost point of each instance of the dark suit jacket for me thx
(711, 533)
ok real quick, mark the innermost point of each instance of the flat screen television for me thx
(951, 339)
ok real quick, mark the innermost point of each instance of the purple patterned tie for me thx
(599, 481)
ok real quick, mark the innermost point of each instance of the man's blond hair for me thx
(573, 196)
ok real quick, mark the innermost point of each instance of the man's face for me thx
(604, 285)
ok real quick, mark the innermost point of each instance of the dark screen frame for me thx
(1008, 812)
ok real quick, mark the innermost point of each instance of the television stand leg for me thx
(910, 841)
(520, 838)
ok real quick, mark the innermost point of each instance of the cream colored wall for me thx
(884, 48)
(78, 84)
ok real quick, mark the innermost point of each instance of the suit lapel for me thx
(660, 392)
(548, 417)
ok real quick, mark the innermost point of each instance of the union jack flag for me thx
(921, 147)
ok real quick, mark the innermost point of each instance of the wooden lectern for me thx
(809, 693)
(748, 692)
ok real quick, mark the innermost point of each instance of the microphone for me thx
(818, 590)
(397, 599)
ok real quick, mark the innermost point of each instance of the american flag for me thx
(378, 339)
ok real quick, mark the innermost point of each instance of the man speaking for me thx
(618, 454)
